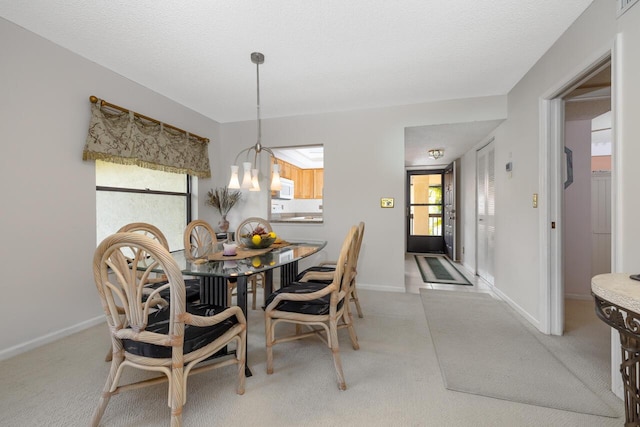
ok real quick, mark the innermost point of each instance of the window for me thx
(302, 168)
(127, 193)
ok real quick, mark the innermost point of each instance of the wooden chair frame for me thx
(199, 237)
(120, 289)
(324, 326)
(328, 275)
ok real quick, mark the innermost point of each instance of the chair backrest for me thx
(120, 291)
(249, 225)
(345, 267)
(147, 230)
(199, 239)
(360, 236)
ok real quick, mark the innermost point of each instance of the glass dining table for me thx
(214, 273)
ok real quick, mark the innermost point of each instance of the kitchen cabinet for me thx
(308, 182)
(318, 183)
(286, 170)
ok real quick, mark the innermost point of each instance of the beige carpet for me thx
(484, 349)
(393, 380)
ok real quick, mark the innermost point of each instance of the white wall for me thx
(48, 221)
(577, 212)
(519, 266)
(363, 161)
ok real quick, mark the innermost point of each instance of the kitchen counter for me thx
(314, 218)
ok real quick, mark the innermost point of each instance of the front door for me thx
(450, 211)
(424, 211)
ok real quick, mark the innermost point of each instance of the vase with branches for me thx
(223, 199)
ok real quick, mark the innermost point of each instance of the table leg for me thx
(268, 283)
(626, 322)
(629, 371)
(241, 293)
(213, 290)
(288, 273)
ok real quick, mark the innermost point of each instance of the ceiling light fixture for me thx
(251, 171)
(436, 153)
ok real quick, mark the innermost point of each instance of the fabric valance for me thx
(126, 138)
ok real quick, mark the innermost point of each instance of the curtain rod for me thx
(94, 100)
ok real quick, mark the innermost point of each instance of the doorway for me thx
(591, 89)
(425, 207)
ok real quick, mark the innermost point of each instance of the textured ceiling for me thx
(321, 56)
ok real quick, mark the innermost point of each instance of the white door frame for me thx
(551, 108)
(550, 289)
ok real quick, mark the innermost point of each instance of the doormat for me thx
(438, 269)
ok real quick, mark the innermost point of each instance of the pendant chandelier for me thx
(251, 171)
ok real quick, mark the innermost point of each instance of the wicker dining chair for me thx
(246, 227)
(171, 340)
(150, 230)
(318, 306)
(155, 281)
(199, 241)
(328, 267)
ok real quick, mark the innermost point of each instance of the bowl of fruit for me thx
(258, 238)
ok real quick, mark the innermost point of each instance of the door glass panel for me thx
(435, 221)
(426, 205)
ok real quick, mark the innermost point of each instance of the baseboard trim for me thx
(380, 288)
(45, 339)
(517, 308)
(583, 297)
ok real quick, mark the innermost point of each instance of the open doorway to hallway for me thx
(586, 198)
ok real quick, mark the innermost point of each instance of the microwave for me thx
(286, 192)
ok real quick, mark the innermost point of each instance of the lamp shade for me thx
(234, 183)
(246, 178)
(255, 183)
(276, 185)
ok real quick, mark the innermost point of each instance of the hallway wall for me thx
(577, 213)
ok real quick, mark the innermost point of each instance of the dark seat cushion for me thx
(317, 306)
(191, 287)
(317, 268)
(195, 337)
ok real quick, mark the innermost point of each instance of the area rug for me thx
(483, 349)
(438, 269)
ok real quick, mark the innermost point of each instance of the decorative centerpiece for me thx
(258, 238)
(223, 200)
